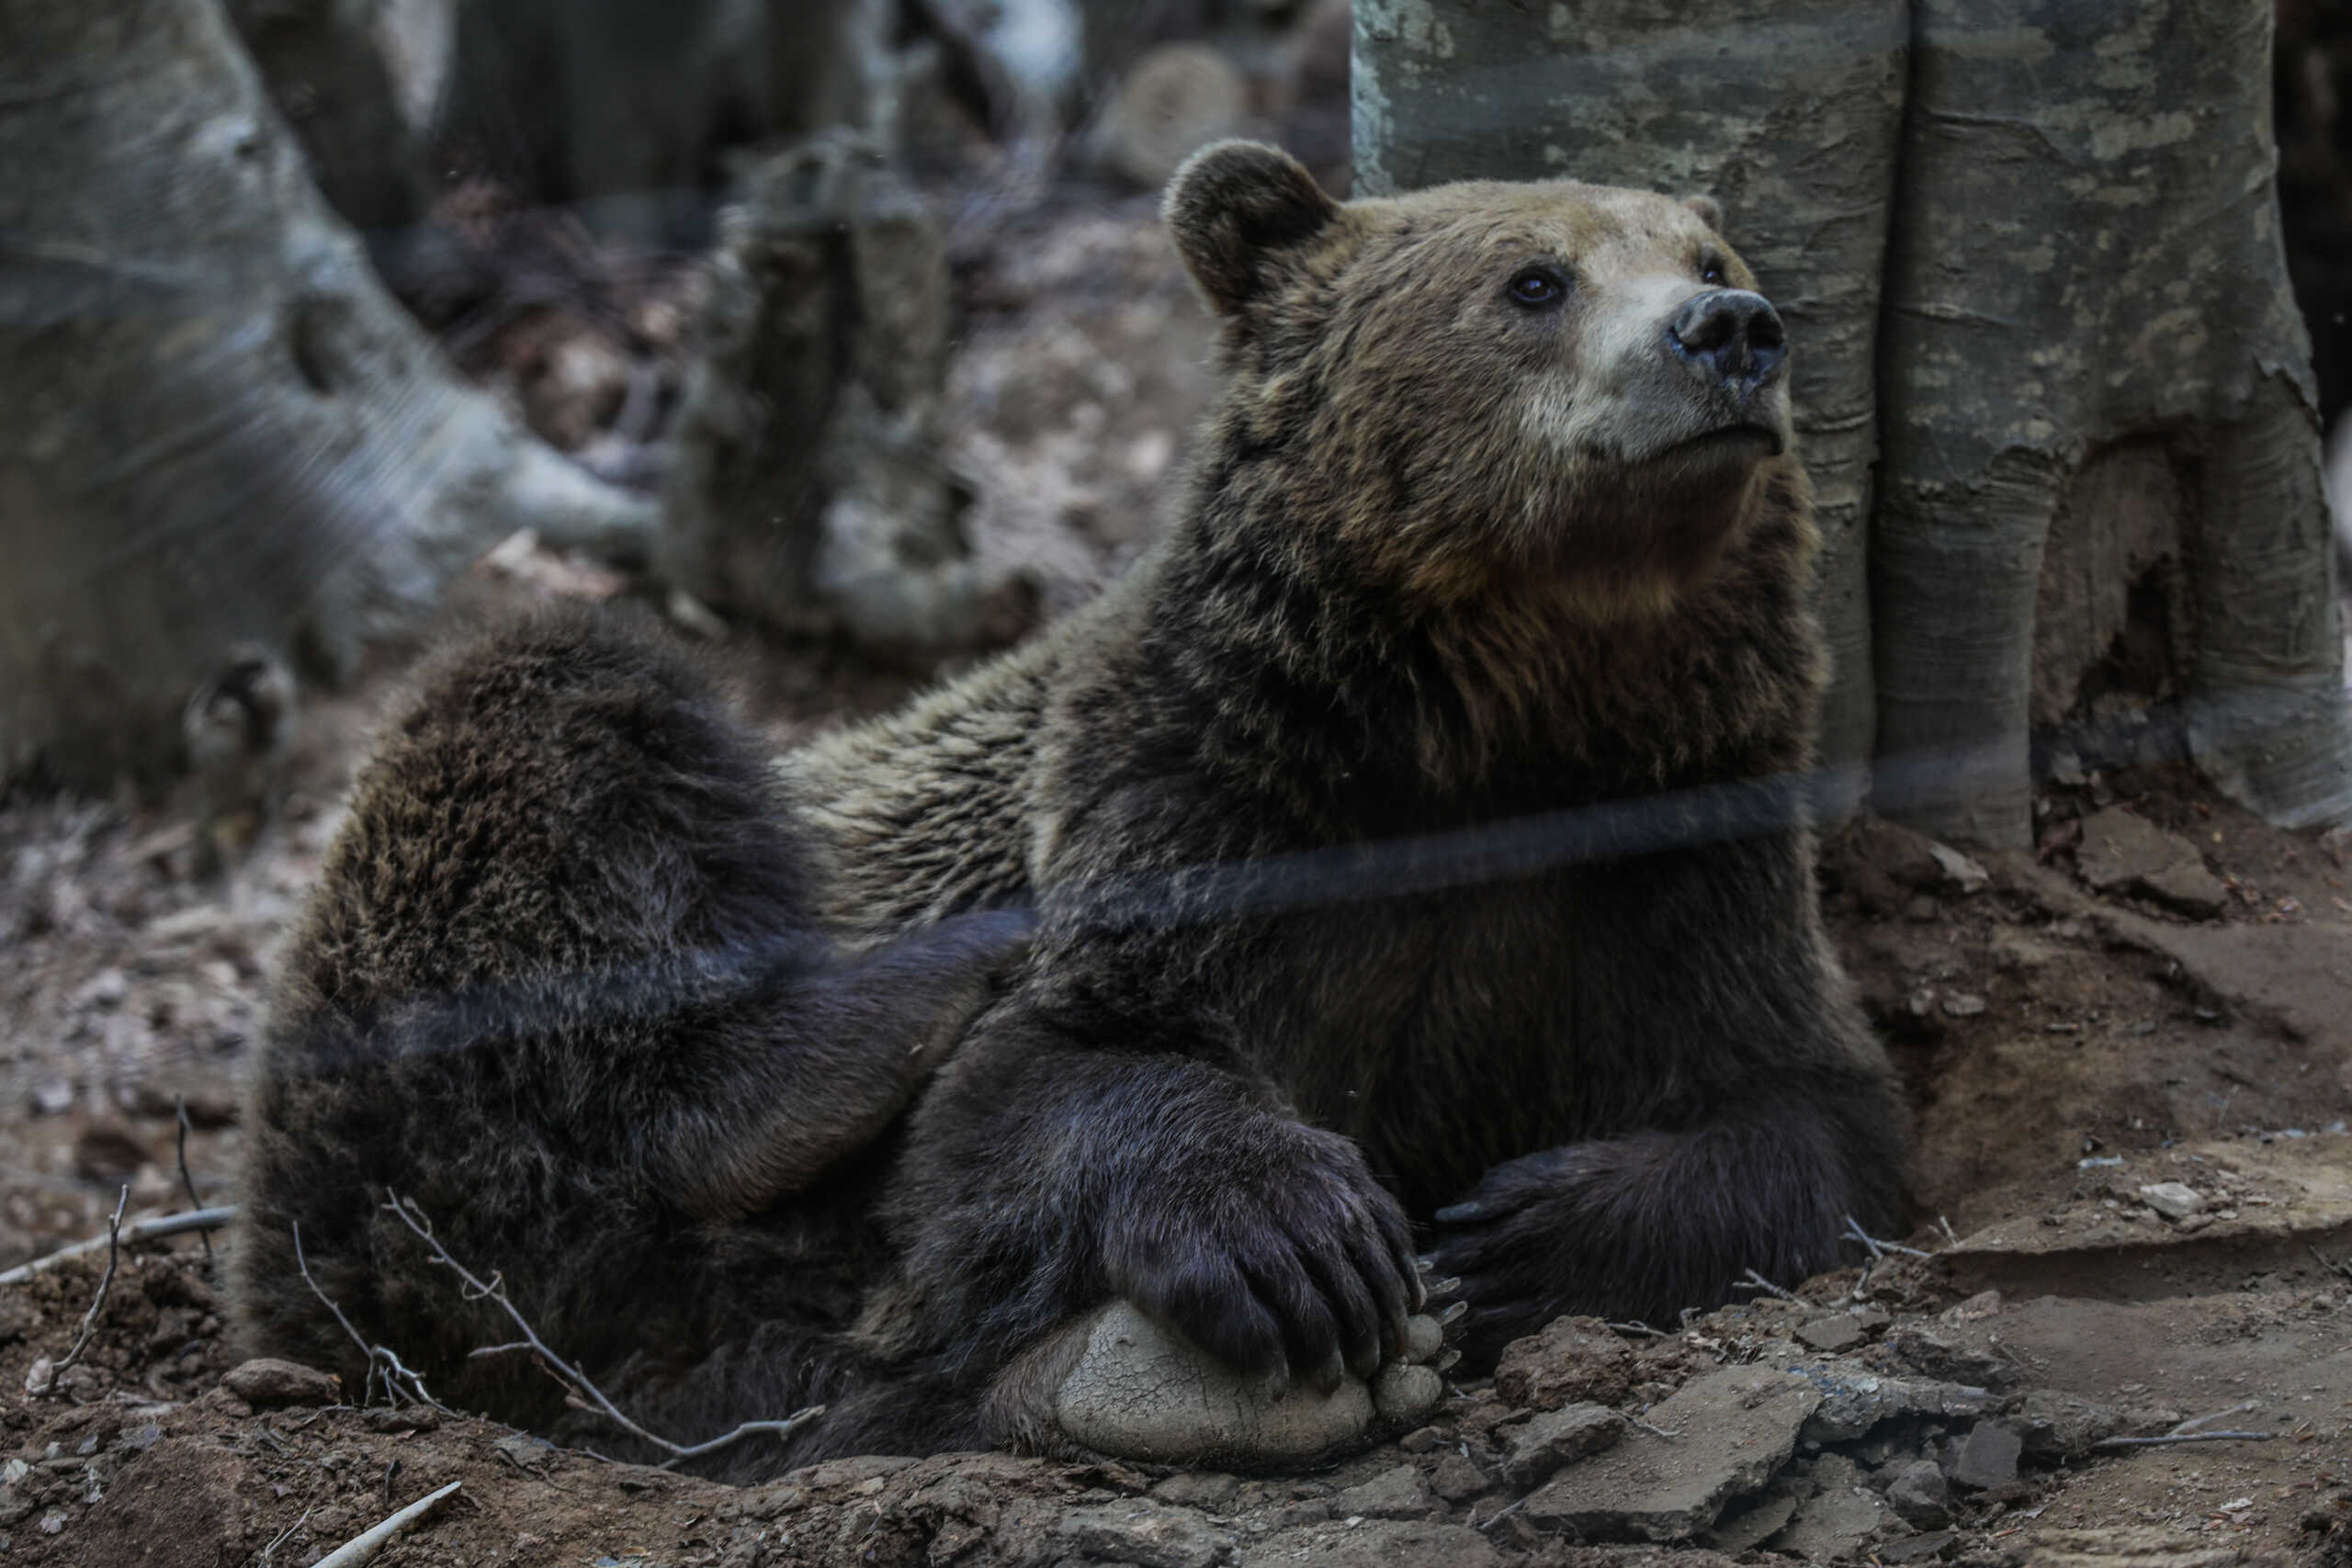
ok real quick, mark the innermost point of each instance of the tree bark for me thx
(1792, 128)
(220, 428)
(2087, 258)
(2071, 349)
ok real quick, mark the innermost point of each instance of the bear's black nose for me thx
(1732, 337)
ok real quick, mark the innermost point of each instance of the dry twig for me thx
(586, 1395)
(97, 1301)
(1876, 1247)
(152, 1229)
(1749, 1279)
(281, 1538)
(1639, 1425)
(364, 1546)
(383, 1361)
(179, 1103)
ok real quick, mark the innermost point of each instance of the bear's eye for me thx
(1537, 287)
(1711, 270)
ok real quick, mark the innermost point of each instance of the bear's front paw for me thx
(1277, 1253)
(1505, 1248)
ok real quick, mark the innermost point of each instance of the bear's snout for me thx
(1730, 338)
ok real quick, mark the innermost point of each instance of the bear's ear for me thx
(1710, 210)
(1234, 206)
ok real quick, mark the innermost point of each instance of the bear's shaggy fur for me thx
(1376, 832)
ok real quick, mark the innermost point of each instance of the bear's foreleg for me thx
(1644, 1225)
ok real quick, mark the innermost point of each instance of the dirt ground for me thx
(2129, 1057)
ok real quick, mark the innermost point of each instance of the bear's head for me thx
(1485, 385)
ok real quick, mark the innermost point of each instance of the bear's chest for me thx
(1447, 1030)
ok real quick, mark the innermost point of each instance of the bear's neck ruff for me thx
(1312, 679)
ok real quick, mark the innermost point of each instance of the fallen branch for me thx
(2183, 1437)
(383, 1361)
(282, 1535)
(97, 1301)
(585, 1394)
(153, 1229)
(364, 1546)
(2188, 1431)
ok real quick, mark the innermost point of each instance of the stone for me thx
(1197, 1489)
(2056, 1426)
(2122, 853)
(2173, 1200)
(1739, 1426)
(266, 1380)
(1837, 1520)
(1853, 1401)
(1420, 1440)
(1960, 873)
(1456, 1480)
(1572, 1359)
(1949, 1360)
(1988, 1457)
(1963, 1004)
(1151, 1535)
(1377, 1544)
(1401, 1391)
(1919, 1494)
(1904, 855)
(1143, 1394)
(1556, 1438)
(1831, 1334)
(1402, 1493)
(1931, 1548)
(1745, 1528)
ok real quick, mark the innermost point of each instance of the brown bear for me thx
(1414, 863)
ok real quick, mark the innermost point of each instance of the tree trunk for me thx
(222, 428)
(805, 489)
(1792, 128)
(2097, 480)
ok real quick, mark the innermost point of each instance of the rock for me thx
(1960, 873)
(1831, 1334)
(1400, 1392)
(1560, 1437)
(2057, 1425)
(1399, 1494)
(1197, 1489)
(1903, 855)
(1152, 1535)
(1853, 1401)
(1141, 1393)
(1922, 910)
(1420, 1440)
(1574, 1358)
(1919, 1494)
(2122, 853)
(1933, 1548)
(1744, 1529)
(2173, 1200)
(1739, 1426)
(1949, 1360)
(1457, 1480)
(1987, 1456)
(1963, 1004)
(1375, 1544)
(265, 1380)
(1840, 1518)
